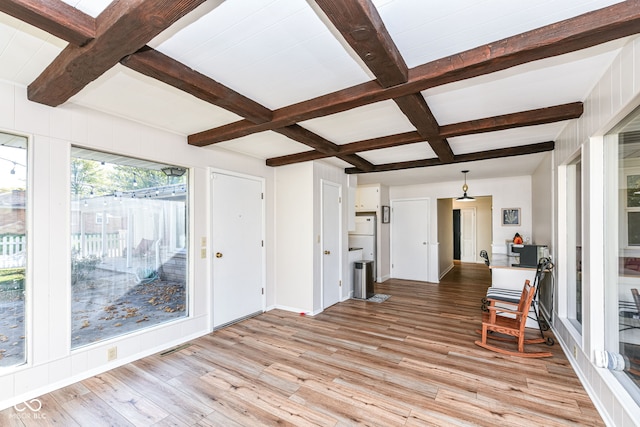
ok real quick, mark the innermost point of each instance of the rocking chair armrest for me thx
(489, 300)
(504, 310)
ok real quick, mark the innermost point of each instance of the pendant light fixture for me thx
(465, 187)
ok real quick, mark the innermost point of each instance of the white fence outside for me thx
(108, 245)
(13, 251)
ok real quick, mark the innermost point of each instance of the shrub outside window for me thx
(128, 245)
(13, 248)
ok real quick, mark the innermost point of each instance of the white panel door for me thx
(410, 239)
(330, 244)
(468, 235)
(237, 247)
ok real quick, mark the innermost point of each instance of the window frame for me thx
(185, 187)
(28, 290)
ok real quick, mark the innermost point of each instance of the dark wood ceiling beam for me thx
(121, 29)
(419, 114)
(165, 69)
(328, 148)
(538, 116)
(361, 26)
(590, 29)
(55, 17)
(304, 136)
(553, 114)
(156, 65)
(352, 148)
(462, 158)
(357, 161)
(290, 159)
(382, 142)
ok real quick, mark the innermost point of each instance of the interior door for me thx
(330, 243)
(410, 239)
(237, 247)
(468, 235)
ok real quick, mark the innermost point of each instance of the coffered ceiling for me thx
(398, 91)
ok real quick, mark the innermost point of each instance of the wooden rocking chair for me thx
(499, 327)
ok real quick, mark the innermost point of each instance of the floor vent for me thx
(173, 350)
(224, 325)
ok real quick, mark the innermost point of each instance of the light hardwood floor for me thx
(407, 361)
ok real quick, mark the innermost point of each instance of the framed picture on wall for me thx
(385, 214)
(510, 216)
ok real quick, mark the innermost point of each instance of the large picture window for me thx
(13, 248)
(128, 245)
(622, 266)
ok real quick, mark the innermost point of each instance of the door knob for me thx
(218, 254)
(327, 252)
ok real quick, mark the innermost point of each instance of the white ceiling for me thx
(280, 52)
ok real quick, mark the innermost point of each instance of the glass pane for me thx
(633, 191)
(627, 304)
(13, 248)
(633, 221)
(129, 245)
(574, 239)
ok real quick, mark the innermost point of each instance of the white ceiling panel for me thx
(125, 93)
(275, 52)
(494, 168)
(403, 153)
(428, 32)
(25, 51)
(90, 7)
(264, 145)
(369, 121)
(505, 138)
(535, 85)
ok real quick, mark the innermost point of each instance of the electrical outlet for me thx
(575, 351)
(112, 353)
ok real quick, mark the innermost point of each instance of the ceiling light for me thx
(465, 187)
(173, 171)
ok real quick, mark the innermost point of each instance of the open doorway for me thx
(464, 234)
(471, 229)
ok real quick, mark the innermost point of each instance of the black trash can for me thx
(363, 279)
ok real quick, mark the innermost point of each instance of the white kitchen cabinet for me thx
(368, 199)
(351, 209)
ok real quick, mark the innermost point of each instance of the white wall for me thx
(514, 192)
(542, 207)
(298, 235)
(51, 363)
(445, 234)
(295, 237)
(616, 95)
